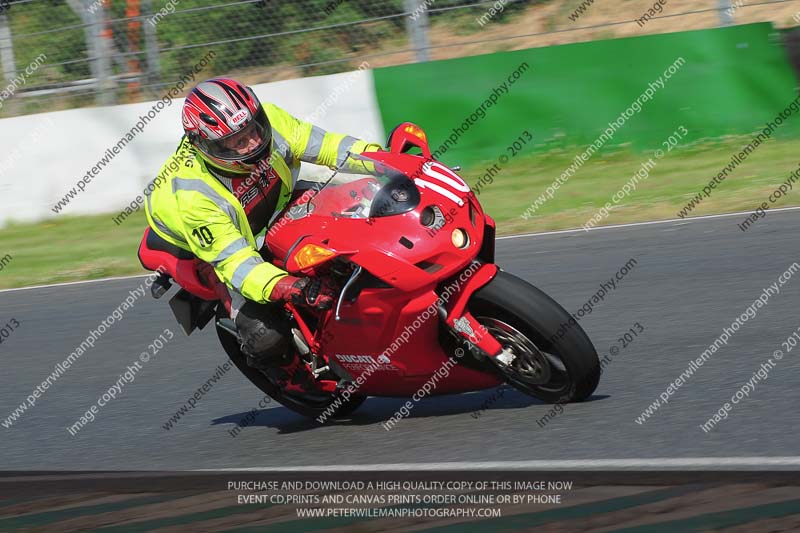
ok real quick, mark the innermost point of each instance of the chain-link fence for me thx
(59, 54)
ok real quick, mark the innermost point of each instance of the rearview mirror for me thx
(407, 135)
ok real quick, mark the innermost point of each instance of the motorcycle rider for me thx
(239, 163)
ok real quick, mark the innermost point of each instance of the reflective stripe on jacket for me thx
(195, 211)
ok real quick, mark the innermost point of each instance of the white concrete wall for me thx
(44, 155)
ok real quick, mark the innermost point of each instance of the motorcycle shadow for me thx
(377, 410)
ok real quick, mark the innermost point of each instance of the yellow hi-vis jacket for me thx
(193, 210)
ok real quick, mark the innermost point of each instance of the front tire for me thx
(526, 322)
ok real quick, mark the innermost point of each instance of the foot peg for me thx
(228, 325)
(343, 384)
(160, 286)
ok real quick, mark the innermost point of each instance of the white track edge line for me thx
(570, 464)
(69, 283)
(648, 223)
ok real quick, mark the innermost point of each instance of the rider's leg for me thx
(263, 328)
(264, 332)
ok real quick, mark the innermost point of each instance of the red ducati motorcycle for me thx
(410, 252)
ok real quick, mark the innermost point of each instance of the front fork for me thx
(454, 307)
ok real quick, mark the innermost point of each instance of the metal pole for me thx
(725, 13)
(90, 32)
(104, 45)
(150, 44)
(7, 54)
(98, 44)
(80, 9)
(7, 49)
(418, 25)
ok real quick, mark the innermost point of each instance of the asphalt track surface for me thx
(692, 279)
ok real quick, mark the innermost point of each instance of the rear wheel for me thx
(292, 385)
(526, 322)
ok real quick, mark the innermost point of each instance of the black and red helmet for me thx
(225, 121)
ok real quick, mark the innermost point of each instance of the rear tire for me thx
(525, 319)
(312, 405)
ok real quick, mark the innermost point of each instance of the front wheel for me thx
(553, 358)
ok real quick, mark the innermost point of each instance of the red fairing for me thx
(184, 271)
(390, 335)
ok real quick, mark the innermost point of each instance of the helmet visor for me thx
(250, 143)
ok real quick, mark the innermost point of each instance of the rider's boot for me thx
(263, 333)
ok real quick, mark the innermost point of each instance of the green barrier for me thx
(729, 81)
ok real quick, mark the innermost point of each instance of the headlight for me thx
(428, 217)
(459, 238)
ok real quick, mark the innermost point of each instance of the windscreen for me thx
(366, 188)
